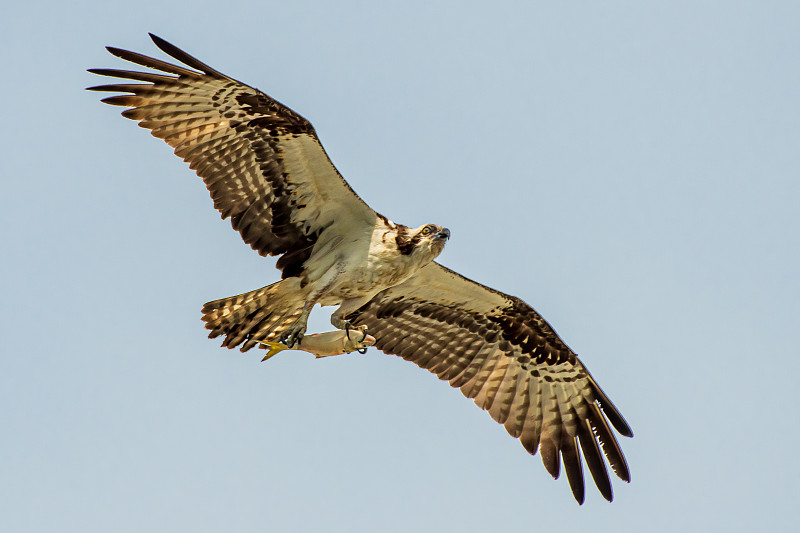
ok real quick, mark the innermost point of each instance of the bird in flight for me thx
(268, 173)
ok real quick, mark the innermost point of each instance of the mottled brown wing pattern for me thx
(262, 162)
(510, 361)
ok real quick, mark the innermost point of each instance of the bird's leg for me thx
(347, 307)
(347, 326)
(294, 333)
(362, 329)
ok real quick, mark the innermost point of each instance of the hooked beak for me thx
(444, 234)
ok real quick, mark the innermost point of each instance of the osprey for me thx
(267, 171)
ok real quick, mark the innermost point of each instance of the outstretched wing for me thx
(505, 356)
(262, 162)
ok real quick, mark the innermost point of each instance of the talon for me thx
(291, 337)
(362, 351)
(362, 329)
(284, 338)
(297, 339)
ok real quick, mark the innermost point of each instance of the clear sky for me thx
(630, 169)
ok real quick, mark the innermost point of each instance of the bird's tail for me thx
(259, 315)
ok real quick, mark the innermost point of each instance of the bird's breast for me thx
(371, 272)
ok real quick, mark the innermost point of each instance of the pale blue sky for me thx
(630, 169)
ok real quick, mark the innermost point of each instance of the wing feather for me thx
(130, 75)
(510, 361)
(518, 410)
(262, 162)
(550, 437)
(472, 367)
(507, 390)
(572, 466)
(594, 460)
(609, 444)
(495, 371)
(150, 62)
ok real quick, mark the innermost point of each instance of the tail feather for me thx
(259, 315)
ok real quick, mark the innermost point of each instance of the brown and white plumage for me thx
(262, 162)
(267, 171)
(506, 357)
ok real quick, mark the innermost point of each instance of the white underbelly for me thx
(347, 280)
(361, 281)
(357, 269)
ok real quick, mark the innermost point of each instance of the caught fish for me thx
(325, 344)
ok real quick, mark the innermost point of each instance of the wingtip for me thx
(157, 40)
(608, 407)
(551, 459)
(168, 48)
(617, 420)
(578, 489)
(118, 52)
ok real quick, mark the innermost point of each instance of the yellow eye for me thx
(426, 230)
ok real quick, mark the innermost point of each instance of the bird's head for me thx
(427, 240)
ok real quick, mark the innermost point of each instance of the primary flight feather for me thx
(267, 171)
